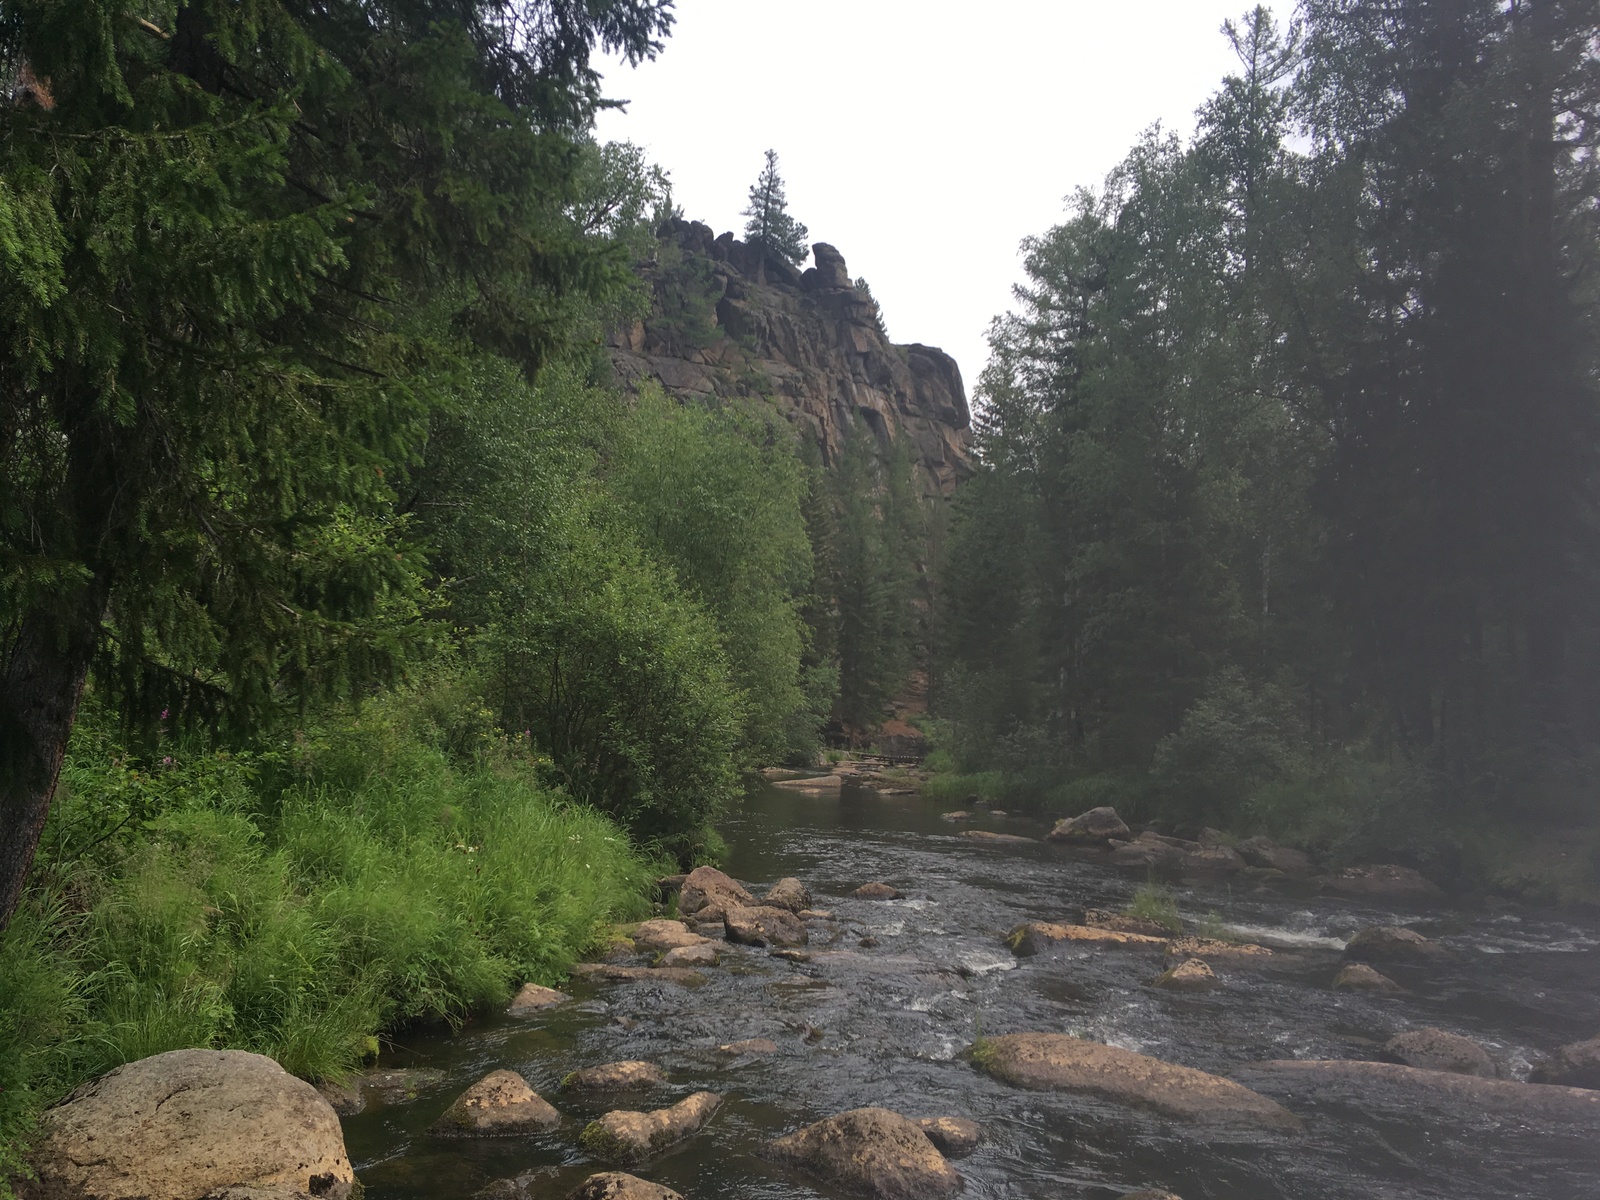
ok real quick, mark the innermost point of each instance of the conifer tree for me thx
(770, 226)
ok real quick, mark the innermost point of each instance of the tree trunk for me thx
(44, 675)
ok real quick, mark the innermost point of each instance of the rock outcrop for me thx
(728, 321)
(872, 1151)
(187, 1124)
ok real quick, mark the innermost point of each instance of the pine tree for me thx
(770, 226)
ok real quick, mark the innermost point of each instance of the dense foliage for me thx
(770, 224)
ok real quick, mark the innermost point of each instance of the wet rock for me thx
(1093, 828)
(869, 943)
(872, 1151)
(1058, 1062)
(670, 885)
(1390, 944)
(614, 1185)
(1034, 937)
(500, 1103)
(395, 1085)
(610, 973)
(532, 998)
(1149, 856)
(987, 835)
(1574, 1065)
(662, 935)
(813, 783)
(762, 926)
(958, 815)
(1190, 975)
(615, 1077)
(1213, 860)
(1151, 1194)
(703, 954)
(181, 1125)
(1212, 950)
(750, 1046)
(1097, 918)
(1422, 1094)
(1358, 977)
(705, 886)
(631, 1137)
(1437, 1050)
(954, 1137)
(1263, 853)
(876, 891)
(794, 956)
(788, 893)
(815, 914)
(1383, 882)
(344, 1099)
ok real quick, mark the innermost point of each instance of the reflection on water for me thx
(887, 1025)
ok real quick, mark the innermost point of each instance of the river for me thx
(886, 1025)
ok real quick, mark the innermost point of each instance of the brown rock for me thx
(876, 891)
(662, 935)
(872, 1151)
(532, 998)
(703, 954)
(1097, 918)
(610, 973)
(498, 1104)
(988, 835)
(181, 1125)
(761, 926)
(1388, 944)
(1383, 882)
(788, 893)
(1213, 860)
(812, 783)
(1151, 1194)
(1436, 1050)
(631, 1137)
(954, 1137)
(614, 1185)
(1037, 936)
(1425, 1091)
(1190, 975)
(1574, 1065)
(1358, 977)
(750, 1046)
(1093, 828)
(794, 956)
(706, 886)
(1261, 852)
(1149, 856)
(1214, 951)
(815, 914)
(344, 1099)
(615, 1077)
(391, 1085)
(1058, 1062)
(958, 815)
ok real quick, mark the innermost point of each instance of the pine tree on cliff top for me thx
(770, 225)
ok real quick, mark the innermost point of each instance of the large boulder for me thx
(1436, 1050)
(1358, 977)
(1391, 944)
(763, 926)
(662, 935)
(631, 1137)
(1574, 1065)
(1093, 828)
(614, 1185)
(614, 1077)
(788, 893)
(185, 1124)
(1059, 1062)
(499, 1104)
(1034, 937)
(707, 887)
(873, 1151)
(1400, 885)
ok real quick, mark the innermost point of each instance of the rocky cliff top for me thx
(729, 321)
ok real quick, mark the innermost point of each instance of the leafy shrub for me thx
(1151, 902)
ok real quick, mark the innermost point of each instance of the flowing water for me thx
(886, 1025)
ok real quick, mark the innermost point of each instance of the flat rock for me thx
(872, 1151)
(1358, 977)
(702, 954)
(1213, 860)
(1190, 975)
(661, 935)
(615, 1077)
(1059, 1062)
(1097, 918)
(788, 893)
(631, 1137)
(1213, 950)
(1035, 937)
(763, 926)
(1390, 944)
(988, 835)
(1438, 1050)
(614, 1185)
(1148, 856)
(1265, 854)
(812, 783)
(181, 1125)
(960, 814)
(395, 1085)
(815, 914)
(876, 891)
(705, 886)
(953, 1137)
(1093, 828)
(1383, 882)
(532, 998)
(611, 973)
(499, 1104)
(1574, 1065)
(750, 1046)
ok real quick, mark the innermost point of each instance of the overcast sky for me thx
(925, 139)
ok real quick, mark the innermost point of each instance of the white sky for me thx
(923, 138)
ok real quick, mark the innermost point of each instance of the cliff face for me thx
(728, 321)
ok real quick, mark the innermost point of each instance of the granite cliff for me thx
(727, 321)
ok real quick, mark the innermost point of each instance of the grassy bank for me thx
(296, 902)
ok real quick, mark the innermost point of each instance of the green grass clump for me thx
(1151, 902)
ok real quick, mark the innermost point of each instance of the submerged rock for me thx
(499, 1104)
(1190, 975)
(1034, 937)
(876, 891)
(1437, 1050)
(189, 1123)
(870, 1150)
(1059, 1062)
(763, 926)
(1093, 828)
(751, 1046)
(988, 835)
(533, 998)
(1390, 944)
(955, 1137)
(631, 1137)
(1574, 1065)
(1420, 1092)
(705, 887)
(661, 935)
(614, 1077)
(788, 893)
(614, 1185)
(1383, 882)
(1358, 977)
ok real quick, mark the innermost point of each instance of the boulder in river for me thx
(661, 935)
(1059, 1062)
(1574, 1065)
(188, 1123)
(1437, 1050)
(1385, 881)
(630, 1137)
(873, 1151)
(1391, 944)
(1190, 975)
(1215, 950)
(954, 1137)
(877, 891)
(1358, 977)
(1093, 828)
(1034, 937)
(1264, 853)
(763, 926)
(788, 893)
(615, 1077)
(499, 1104)
(704, 954)
(704, 887)
(532, 998)
(750, 1046)
(960, 814)
(614, 1185)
